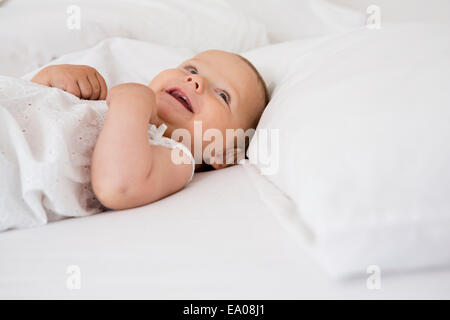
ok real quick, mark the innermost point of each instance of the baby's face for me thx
(223, 92)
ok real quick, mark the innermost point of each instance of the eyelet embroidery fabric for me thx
(47, 137)
(156, 138)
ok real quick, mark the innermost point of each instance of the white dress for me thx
(47, 137)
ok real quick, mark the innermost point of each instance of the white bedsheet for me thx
(215, 239)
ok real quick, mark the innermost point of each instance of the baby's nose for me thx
(196, 82)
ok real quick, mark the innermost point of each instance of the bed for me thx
(236, 233)
(213, 240)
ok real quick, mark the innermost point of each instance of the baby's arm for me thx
(82, 81)
(126, 171)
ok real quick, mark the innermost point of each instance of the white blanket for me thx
(46, 140)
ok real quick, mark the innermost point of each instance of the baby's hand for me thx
(82, 81)
(130, 91)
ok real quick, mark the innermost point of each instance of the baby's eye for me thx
(190, 69)
(225, 96)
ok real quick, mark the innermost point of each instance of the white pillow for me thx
(32, 33)
(364, 153)
(293, 19)
(273, 61)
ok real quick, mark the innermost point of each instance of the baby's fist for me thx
(80, 80)
(131, 93)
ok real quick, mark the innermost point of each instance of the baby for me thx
(218, 89)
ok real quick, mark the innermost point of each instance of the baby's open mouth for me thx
(181, 97)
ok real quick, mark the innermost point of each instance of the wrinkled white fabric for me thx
(156, 138)
(36, 32)
(47, 137)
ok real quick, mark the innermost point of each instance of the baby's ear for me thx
(218, 166)
(232, 157)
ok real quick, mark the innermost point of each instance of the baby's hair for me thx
(264, 87)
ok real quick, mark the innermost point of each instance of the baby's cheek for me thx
(208, 120)
(155, 84)
(165, 79)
